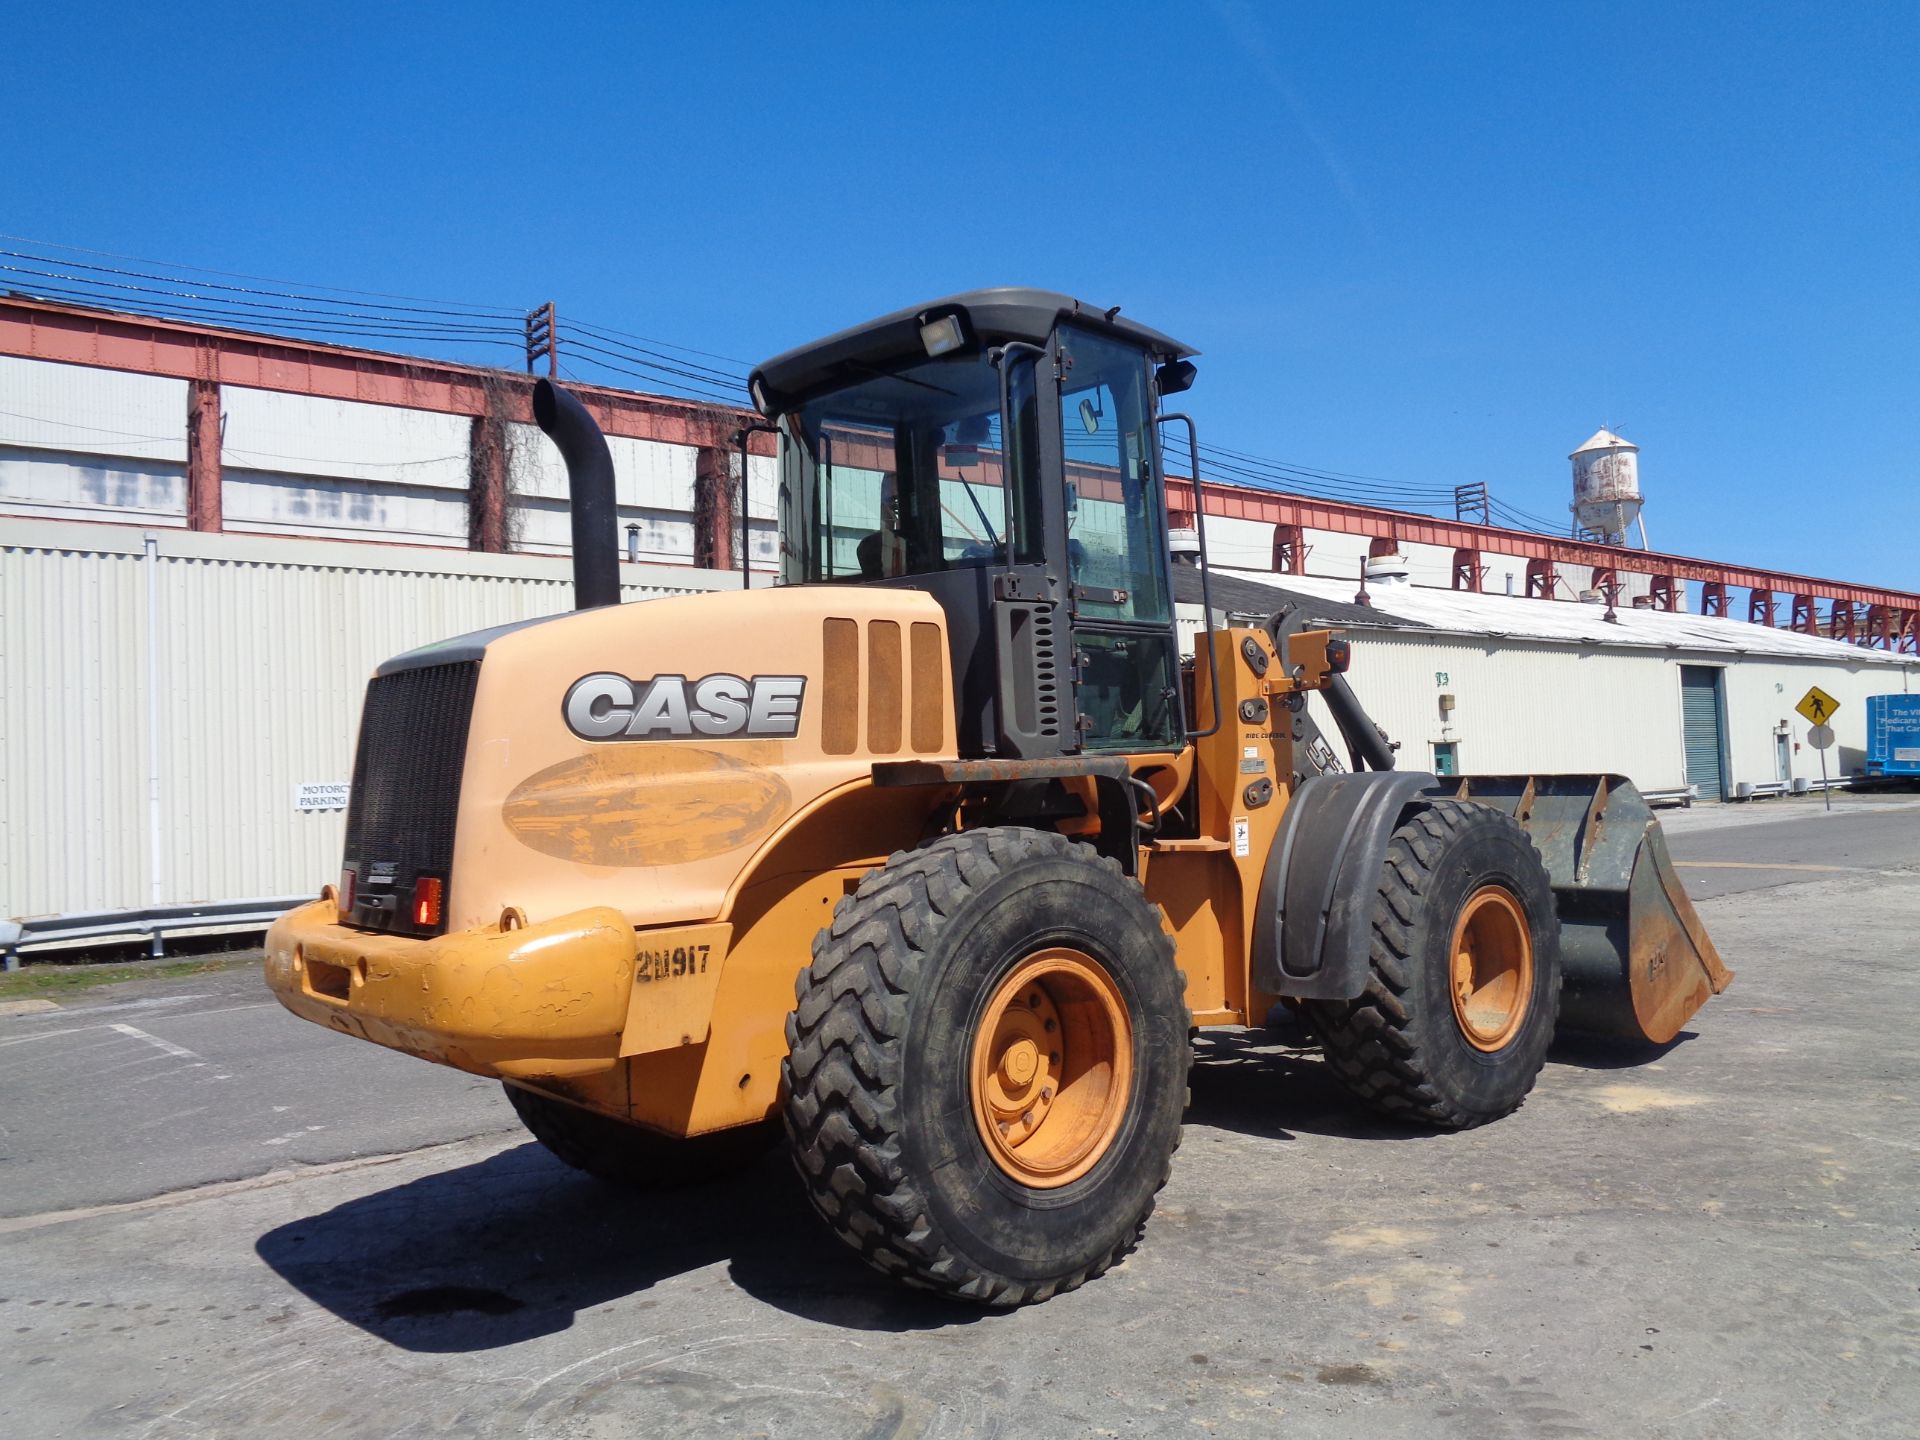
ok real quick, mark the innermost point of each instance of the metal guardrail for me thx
(154, 924)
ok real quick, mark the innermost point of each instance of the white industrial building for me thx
(208, 539)
(78, 443)
(1684, 705)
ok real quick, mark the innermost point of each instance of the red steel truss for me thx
(210, 357)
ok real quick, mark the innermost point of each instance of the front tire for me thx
(1464, 985)
(988, 1061)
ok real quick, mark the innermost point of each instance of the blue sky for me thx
(1432, 243)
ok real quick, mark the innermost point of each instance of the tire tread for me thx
(1372, 1043)
(845, 1034)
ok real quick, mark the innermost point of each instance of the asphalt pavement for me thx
(155, 1086)
(223, 1221)
(1725, 849)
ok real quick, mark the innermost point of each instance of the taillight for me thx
(347, 878)
(427, 893)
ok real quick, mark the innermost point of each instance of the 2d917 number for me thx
(666, 964)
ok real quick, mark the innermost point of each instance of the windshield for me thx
(904, 474)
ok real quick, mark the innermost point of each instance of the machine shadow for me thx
(514, 1246)
(1273, 1084)
(1586, 1052)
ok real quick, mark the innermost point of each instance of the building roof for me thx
(1256, 599)
(1604, 439)
(1511, 617)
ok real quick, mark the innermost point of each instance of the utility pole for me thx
(543, 338)
(1468, 499)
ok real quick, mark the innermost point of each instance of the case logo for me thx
(606, 706)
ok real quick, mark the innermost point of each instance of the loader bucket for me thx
(1636, 962)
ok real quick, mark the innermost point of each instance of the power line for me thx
(1302, 482)
(1523, 519)
(460, 314)
(687, 349)
(239, 275)
(297, 308)
(703, 394)
(244, 317)
(1332, 474)
(240, 319)
(687, 370)
(115, 288)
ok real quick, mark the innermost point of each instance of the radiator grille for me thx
(406, 790)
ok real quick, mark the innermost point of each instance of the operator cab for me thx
(999, 451)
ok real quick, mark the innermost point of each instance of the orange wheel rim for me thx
(1492, 967)
(1052, 1068)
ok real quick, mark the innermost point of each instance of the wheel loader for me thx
(929, 861)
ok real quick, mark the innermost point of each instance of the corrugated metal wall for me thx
(71, 711)
(264, 649)
(1522, 707)
(264, 646)
(1761, 695)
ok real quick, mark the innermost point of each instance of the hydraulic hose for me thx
(1366, 741)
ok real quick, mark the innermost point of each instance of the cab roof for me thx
(991, 317)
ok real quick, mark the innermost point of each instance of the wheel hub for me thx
(1052, 1068)
(1020, 1064)
(1492, 967)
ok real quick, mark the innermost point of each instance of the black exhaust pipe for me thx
(596, 531)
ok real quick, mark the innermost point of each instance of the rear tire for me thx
(1464, 985)
(633, 1158)
(988, 1061)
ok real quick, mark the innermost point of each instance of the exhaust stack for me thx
(596, 541)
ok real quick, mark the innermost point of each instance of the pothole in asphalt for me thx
(436, 1300)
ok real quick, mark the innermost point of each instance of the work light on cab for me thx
(942, 336)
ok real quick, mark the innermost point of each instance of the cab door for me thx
(1114, 518)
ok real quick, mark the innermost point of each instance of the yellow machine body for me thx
(626, 921)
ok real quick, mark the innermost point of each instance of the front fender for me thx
(1312, 921)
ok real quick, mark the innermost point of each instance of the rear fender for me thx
(1312, 924)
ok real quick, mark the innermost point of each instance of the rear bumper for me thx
(540, 1001)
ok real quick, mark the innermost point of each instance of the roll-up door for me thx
(1700, 715)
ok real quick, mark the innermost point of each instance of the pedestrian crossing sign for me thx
(1818, 706)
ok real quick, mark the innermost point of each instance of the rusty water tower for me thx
(1606, 489)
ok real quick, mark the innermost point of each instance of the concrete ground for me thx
(224, 1222)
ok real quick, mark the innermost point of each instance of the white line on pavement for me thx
(180, 1051)
(48, 1034)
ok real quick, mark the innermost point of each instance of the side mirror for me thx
(1175, 376)
(1089, 417)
